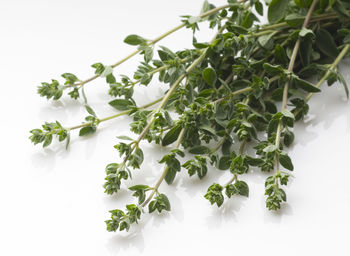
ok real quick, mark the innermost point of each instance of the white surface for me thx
(52, 200)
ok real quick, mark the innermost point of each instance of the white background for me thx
(52, 200)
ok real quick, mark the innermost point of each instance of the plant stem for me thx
(233, 94)
(316, 18)
(154, 41)
(166, 98)
(285, 90)
(116, 115)
(330, 69)
(151, 73)
(161, 178)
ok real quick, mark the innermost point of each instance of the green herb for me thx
(225, 92)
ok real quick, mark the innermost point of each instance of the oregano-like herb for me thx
(222, 95)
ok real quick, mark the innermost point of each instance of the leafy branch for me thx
(221, 94)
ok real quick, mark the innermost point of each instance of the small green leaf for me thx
(295, 20)
(340, 9)
(121, 104)
(325, 42)
(254, 161)
(107, 71)
(273, 70)
(242, 188)
(193, 19)
(199, 150)
(48, 140)
(285, 161)
(259, 8)
(209, 76)
(170, 176)
(276, 10)
(165, 201)
(288, 138)
(134, 40)
(264, 40)
(90, 110)
(270, 149)
(305, 85)
(172, 135)
(123, 137)
(306, 32)
(139, 187)
(224, 163)
(343, 82)
(280, 54)
(88, 130)
(287, 113)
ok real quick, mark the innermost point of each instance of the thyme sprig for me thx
(221, 94)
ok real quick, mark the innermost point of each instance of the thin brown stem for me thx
(286, 87)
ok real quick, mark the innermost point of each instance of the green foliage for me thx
(134, 40)
(50, 90)
(217, 96)
(214, 194)
(277, 10)
(237, 188)
(160, 203)
(122, 220)
(47, 132)
(197, 166)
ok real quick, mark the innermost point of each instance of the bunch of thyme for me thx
(251, 81)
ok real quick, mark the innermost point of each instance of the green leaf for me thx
(242, 188)
(273, 70)
(172, 135)
(134, 40)
(280, 54)
(88, 130)
(70, 78)
(306, 32)
(207, 92)
(326, 44)
(343, 82)
(285, 161)
(270, 149)
(165, 201)
(152, 206)
(295, 20)
(288, 138)
(287, 113)
(199, 150)
(67, 140)
(193, 19)
(90, 110)
(276, 10)
(123, 137)
(121, 104)
(170, 176)
(224, 163)
(209, 76)
(305, 85)
(264, 40)
(254, 161)
(259, 8)
(108, 70)
(139, 187)
(99, 68)
(340, 9)
(48, 140)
